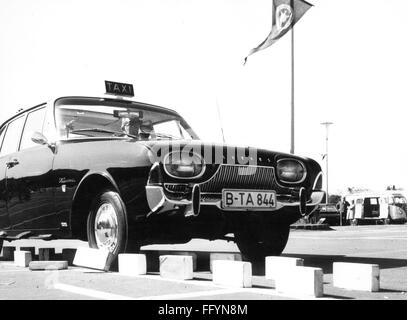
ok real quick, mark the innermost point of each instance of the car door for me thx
(29, 179)
(4, 220)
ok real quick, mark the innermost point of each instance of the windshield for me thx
(80, 117)
(399, 200)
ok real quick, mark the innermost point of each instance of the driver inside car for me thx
(147, 130)
(131, 126)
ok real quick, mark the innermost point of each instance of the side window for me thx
(48, 129)
(12, 138)
(34, 122)
(168, 127)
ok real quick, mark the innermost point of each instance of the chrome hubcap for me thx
(106, 228)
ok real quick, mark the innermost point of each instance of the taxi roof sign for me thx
(119, 89)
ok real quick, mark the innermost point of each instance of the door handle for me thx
(12, 163)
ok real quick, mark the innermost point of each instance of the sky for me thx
(350, 69)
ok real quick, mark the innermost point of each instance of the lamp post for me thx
(326, 124)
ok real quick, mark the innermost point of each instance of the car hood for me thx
(217, 153)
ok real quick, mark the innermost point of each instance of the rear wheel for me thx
(107, 225)
(256, 243)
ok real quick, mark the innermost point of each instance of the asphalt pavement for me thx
(385, 245)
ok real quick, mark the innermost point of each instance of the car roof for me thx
(110, 99)
(19, 113)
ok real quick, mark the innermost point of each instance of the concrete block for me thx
(68, 255)
(232, 273)
(22, 258)
(304, 281)
(182, 253)
(8, 253)
(223, 256)
(48, 265)
(91, 258)
(275, 265)
(46, 254)
(132, 264)
(176, 267)
(356, 276)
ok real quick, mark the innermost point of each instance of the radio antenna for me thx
(220, 120)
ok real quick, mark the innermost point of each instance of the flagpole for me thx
(279, 28)
(292, 90)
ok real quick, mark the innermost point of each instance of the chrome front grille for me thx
(240, 177)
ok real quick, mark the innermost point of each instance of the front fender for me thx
(91, 174)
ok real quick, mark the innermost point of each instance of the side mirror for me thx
(39, 138)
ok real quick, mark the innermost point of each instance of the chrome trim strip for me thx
(161, 202)
(303, 202)
(316, 180)
(156, 164)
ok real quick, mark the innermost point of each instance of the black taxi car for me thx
(122, 174)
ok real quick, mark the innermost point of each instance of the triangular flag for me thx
(286, 13)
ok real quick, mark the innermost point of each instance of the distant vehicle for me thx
(397, 206)
(380, 207)
(329, 212)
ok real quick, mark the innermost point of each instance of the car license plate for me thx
(247, 199)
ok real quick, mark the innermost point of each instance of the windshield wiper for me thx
(167, 136)
(104, 131)
(159, 135)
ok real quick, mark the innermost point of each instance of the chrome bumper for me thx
(159, 202)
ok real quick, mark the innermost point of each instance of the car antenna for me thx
(220, 120)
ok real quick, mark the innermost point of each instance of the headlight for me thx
(184, 165)
(290, 171)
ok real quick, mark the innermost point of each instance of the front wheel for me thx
(107, 224)
(256, 243)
